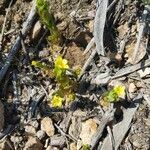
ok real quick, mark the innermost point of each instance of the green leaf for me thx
(40, 65)
(112, 96)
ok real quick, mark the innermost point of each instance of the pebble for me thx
(89, 128)
(47, 126)
(40, 134)
(36, 30)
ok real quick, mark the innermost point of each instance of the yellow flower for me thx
(57, 101)
(61, 63)
(120, 91)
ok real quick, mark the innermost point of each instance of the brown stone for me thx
(47, 126)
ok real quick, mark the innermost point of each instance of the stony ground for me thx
(28, 120)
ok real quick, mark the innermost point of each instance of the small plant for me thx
(48, 20)
(66, 80)
(113, 95)
(65, 77)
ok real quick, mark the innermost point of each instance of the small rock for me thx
(47, 126)
(30, 130)
(73, 146)
(33, 144)
(89, 128)
(40, 134)
(58, 141)
(1, 116)
(36, 30)
(132, 88)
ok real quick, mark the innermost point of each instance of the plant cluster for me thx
(114, 95)
(66, 81)
(47, 19)
(65, 77)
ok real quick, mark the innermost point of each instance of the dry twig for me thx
(99, 25)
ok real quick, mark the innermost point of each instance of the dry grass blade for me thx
(99, 25)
